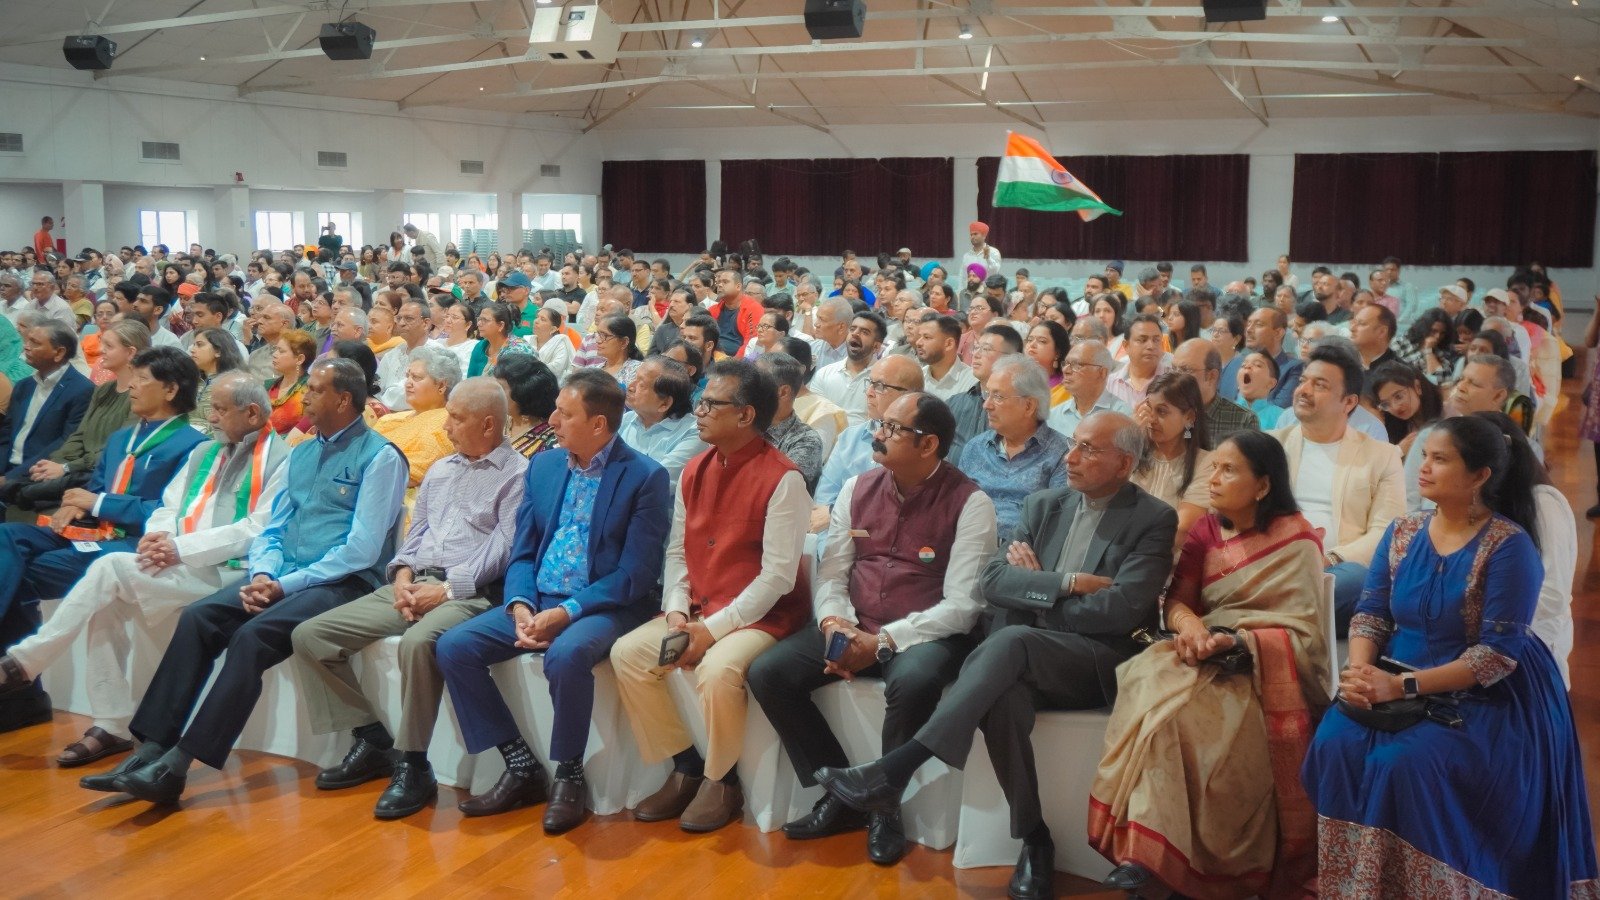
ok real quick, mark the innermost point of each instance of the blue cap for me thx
(517, 280)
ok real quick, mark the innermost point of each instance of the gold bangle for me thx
(1072, 584)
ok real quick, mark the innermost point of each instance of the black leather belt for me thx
(417, 574)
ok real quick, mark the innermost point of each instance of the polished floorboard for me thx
(259, 827)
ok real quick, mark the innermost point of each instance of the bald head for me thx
(1106, 448)
(1199, 358)
(898, 372)
(239, 405)
(475, 416)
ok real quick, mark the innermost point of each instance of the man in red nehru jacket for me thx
(734, 584)
(905, 544)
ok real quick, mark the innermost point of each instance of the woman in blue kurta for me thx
(1497, 806)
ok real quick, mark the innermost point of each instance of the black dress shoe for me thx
(886, 838)
(510, 792)
(16, 681)
(155, 783)
(410, 790)
(1035, 874)
(1128, 877)
(107, 780)
(863, 787)
(569, 805)
(829, 816)
(365, 762)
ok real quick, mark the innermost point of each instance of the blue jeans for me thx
(1348, 579)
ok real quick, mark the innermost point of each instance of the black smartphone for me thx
(836, 646)
(672, 647)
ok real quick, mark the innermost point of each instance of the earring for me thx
(1187, 432)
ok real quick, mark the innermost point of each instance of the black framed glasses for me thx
(706, 406)
(891, 429)
(881, 386)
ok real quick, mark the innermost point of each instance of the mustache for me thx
(878, 446)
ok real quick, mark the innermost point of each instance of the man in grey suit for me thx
(1063, 618)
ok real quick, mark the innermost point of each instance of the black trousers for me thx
(255, 643)
(783, 678)
(1015, 672)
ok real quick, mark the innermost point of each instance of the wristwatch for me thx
(885, 652)
(1408, 686)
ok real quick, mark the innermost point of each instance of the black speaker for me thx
(89, 51)
(346, 40)
(830, 19)
(1235, 10)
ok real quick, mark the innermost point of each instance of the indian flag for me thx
(1030, 178)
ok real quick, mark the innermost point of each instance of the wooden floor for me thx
(259, 828)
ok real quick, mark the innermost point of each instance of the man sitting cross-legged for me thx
(209, 514)
(458, 545)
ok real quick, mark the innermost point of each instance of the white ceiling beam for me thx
(1507, 102)
(278, 9)
(315, 52)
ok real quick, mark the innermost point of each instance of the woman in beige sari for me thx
(1199, 790)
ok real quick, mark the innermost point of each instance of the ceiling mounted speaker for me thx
(89, 51)
(1234, 10)
(346, 40)
(828, 20)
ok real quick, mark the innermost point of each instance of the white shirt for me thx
(956, 613)
(1313, 488)
(989, 259)
(783, 540)
(1361, 420)
(1558, 549)
(164, 338)
(958, 379)
(557, 354)
(847, 391)
(392, 377)
(216, 544)
(463, 352)
(60, 310)
(44, 386)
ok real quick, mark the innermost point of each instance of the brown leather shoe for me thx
(714, 806)
(569, 806)
(510, 792)
(96, 744)
(671, 800)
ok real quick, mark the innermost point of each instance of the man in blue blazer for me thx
(44, 561)
(585, 566)
(46, 408)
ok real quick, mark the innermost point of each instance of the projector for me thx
(580, 33)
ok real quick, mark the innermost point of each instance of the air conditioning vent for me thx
(10, 142)
(332, 159)
(549, 171)
(472, 167)
(164, 151)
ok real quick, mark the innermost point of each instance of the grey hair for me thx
(1129, 436)
(1096, 328)
(1337, 341)
(1500, 324)
(1100, 352)
(808, 282)
(45, 274)
(838, 309)
(359, 317)
(1316, 331)
(914, 297)
(245, 390)
(1027, 379)
(82, 282)
(1504, 371)
(442, 365)
(7, 278)
(483, 395)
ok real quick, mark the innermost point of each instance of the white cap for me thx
(1456, 289)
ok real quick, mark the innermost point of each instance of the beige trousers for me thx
(718, 679)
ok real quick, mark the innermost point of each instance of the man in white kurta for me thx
(208, 517)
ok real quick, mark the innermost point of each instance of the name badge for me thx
(859, 533)
(86, 546)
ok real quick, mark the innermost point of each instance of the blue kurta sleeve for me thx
(1374, 620)
(1510, 591)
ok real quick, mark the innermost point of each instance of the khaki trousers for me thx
(333, 697)
(719, 681)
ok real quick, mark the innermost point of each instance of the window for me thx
(345, 225)
(173, 227)
(276, 230)
(428, 222)
(475, 232)
(568, 221)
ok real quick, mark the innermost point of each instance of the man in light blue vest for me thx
(331, 532)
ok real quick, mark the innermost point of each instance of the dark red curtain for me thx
(819, 207)
(1173, 207)
(654, 206)
(1442, 209)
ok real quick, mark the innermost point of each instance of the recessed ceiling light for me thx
(966, 32)
(1330, 18)
(480, 87)
(697, 43)
(202, 59)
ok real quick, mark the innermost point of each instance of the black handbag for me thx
(1398, 715)
(1237, 661)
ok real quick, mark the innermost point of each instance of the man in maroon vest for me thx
(905, 543)
(735, 582)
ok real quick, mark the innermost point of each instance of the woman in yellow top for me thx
(1047, 344)
(419, 431)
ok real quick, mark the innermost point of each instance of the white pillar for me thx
(1267, 231)
(388, 209)
(508, 206)
(234, 231)
(964, 181)
(713, 201)
(84, 208)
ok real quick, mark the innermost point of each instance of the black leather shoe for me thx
(1035, 875)
(863, 787)
(155, 783)
(829, 817)
(16, 681)
(510, 792)
(410, 790)
(1128, 877)
(365, 762)
(886, 838)
(107, 780)
(569, 805)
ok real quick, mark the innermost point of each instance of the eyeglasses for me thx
(600, 337)
(1085, 449)
(1079, 366)
(891, 429)
(998, 397)
(707, 406)
(878, 387)
(1395, 399)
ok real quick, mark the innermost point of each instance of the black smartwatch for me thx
(885, 652)
(1408, 686)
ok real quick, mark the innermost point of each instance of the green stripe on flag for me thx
(1045, 198)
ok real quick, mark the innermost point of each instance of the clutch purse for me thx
(1237, 661)
(1398, 715)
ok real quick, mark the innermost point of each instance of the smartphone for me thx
(672, 647)
(836, 646)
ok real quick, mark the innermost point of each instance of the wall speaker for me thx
(346, 40)
(832, 19)
(89, 51)
(1235, 10)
